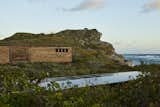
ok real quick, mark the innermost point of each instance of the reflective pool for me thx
(91, 80)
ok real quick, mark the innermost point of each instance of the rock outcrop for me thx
(87, 46)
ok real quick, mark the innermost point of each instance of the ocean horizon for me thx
(137, 59)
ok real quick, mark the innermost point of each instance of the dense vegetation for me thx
(19, 89)
(19, 82)
(62, 69)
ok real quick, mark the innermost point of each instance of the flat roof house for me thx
(13, 54)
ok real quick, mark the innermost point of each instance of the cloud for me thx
(88, 4)
(155, 5)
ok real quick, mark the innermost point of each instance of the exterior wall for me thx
(13, 54)
(49, 54)
(19, 54)
(4, 55)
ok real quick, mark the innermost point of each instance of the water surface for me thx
(146, 58)
(91, 80)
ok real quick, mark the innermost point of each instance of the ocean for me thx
(137, 59)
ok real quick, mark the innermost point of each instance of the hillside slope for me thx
(89, 51)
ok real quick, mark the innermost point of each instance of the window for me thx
(56, 50)
(66, 50)
(62, 50)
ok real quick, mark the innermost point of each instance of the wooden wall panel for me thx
(49, 54)
(19, 54)
(4, 54)
(13, 54)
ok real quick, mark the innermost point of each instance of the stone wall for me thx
(13, 54)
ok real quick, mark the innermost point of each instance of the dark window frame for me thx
(60, 50)
(64, 50)
(57, 50)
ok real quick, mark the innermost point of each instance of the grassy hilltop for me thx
(90, 54)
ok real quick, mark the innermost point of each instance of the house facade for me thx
(13, 54)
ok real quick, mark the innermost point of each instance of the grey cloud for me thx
(88, 4)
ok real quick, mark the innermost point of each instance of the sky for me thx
(132, 26)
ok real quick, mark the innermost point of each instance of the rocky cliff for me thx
(87, 46)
